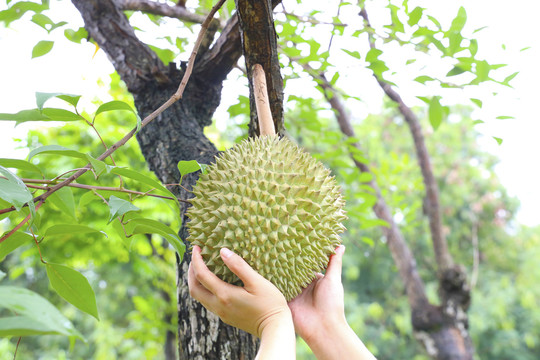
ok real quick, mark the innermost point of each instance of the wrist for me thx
(326, 329)
(278, 340)
(281, 320)
(335, 339)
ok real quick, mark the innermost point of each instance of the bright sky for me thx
(72, 69)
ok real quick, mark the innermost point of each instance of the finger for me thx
(196, 289)
(240, 267)
(203, 275)
(333, 271)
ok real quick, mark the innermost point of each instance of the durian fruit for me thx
(274, 205)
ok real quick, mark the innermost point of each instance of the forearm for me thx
(278, 341)
(338, 341)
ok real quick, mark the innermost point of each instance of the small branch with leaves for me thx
(91, 165)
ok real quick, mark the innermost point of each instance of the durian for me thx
(275, 206)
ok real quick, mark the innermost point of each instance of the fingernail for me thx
(340, 249)
(225, 253)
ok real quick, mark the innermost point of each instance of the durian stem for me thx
(266, 123)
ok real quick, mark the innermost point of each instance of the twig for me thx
(19, 225)
(177, 96)
(332, 36)
(37, 244)
(157, 8)
(17, 348)
(105, 188)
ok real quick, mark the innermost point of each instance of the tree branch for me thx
(132, 59)
(158, 8)
(440, 247)
(399, 249)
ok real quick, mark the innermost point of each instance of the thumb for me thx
(239, 266)
(334, 266)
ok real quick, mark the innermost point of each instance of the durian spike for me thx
(262, 103)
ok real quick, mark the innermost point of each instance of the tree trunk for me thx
(176, 134)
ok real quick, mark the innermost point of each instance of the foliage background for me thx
(134, 279)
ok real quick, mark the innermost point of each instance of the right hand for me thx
(321, 304)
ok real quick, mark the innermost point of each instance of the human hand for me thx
(321, 304)
(319, 316)
(251, 308)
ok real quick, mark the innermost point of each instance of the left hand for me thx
(251, 308)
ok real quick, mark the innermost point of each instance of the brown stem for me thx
(37, 244)
(20, 224)
(104, 188)
(157, 8)
(440, 246)
(260, 91)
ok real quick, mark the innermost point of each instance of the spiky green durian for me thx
(274, 205)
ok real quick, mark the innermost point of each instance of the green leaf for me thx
(63, 199)
(76, 36)
(375, 64)
(354, 54)
(19, 164)
(118, 105)
(422, 79)
(47, 114)
(455, 71)
(459, 21)
(87, 198)
(19, 9)
(435, 112)
(46, 23)
(499, 140)
(13, 190)
(61, 229)
(41, 98)
(56, 150)
(415, 16)
(368, 241)
(473, 47)
(36, 315)
(188, 167)
(477, 102)
(25, 115)
(119, 207)
(165, 55)
(98, 165)
(61, 115)
(504, 117)
(17, 239)
(509, 78)
(150, 226)
(73, 287)
(131, 174)
(482, 71)
(42, 48)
